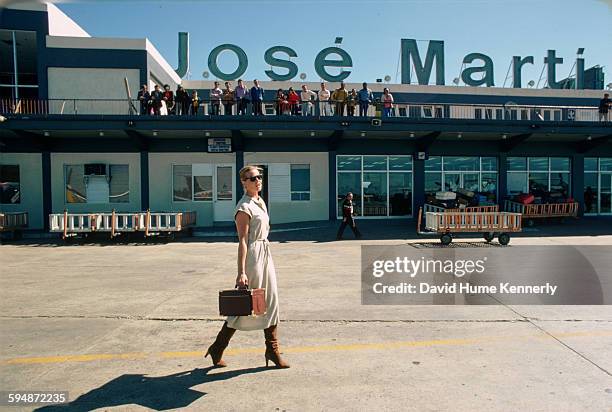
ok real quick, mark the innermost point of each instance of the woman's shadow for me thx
(157, 393)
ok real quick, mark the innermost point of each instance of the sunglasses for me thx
(254, 178)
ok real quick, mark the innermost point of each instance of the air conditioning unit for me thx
(97, 169)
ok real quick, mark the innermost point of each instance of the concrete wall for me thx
(160, 183)
(58, 160)
(89, 83)
(297, 211)
(30, 175)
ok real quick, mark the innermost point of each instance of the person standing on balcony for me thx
(144, 97)
(241, 97)
(169, 99)
(257, 98)
(281, 102)
(157, 97)
(387, 101)
(307, 96)
(351, 102)
(324, 95)
(365, 98)
(347, 217)
(339, 97)
(604, 108)
(215, 100)
(182, 101)
(228, 99)
(195, 103)
(293, 100)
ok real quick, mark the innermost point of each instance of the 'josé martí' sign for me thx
(278, 57)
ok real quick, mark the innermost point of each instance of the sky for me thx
(371, 31)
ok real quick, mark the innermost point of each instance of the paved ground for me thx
(124, 326)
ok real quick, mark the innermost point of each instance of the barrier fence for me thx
(400, 109)
(116, 223)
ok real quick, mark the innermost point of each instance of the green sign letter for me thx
(410, 52)
(321, 61)
(517, 65)
(273, 61)
(551, 61)
(487, 69)
(243, 62)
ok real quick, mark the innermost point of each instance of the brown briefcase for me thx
(242, 302)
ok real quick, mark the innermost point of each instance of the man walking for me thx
(347, 217)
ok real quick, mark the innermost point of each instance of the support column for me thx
(418, 192)
(502, 177)
(239, 165)
(577, 181)
(331, 166)
(144, 180)
(47, 206)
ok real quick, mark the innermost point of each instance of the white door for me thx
(223, 193)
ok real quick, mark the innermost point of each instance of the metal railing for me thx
(400, 109)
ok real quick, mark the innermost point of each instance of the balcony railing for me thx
(400, 109)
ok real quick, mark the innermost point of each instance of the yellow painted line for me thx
(299, 349)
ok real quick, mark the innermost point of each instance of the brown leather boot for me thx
(272, 353)
(216, 349)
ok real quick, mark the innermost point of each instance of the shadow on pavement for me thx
(157, 393)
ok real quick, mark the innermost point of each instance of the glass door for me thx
(223, 193)
(605, 196)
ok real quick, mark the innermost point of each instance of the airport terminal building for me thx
(71, 140)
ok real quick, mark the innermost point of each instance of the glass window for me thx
(300, 182)
(516, 163)
(560, 164)
(434, 164)
(181, 183)
(433, 183)
(76, 191)
(590, 164)
(224, 183)
(374, 163)
(453, 163)
(375, 194)
(400, 163)
(349, 182)
(349, 163)
(538, 183)
(517, 183)
(119, 184)
(202, 188)
(559, 183)
(10, 188)
(400, 194)
(489, 164)
(538, 164)
(591, 190)
(488, 187)
(605, 164)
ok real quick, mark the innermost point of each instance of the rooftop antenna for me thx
(542, 75)
(508, 75)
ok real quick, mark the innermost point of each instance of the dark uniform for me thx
(347, 219)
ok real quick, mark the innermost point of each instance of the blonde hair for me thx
(248, 168)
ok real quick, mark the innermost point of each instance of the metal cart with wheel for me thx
(542, 211)
(445, 224)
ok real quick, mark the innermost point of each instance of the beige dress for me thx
(259, 265)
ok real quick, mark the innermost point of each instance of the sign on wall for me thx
(219, 145)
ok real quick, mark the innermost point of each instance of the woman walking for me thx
(255, 269)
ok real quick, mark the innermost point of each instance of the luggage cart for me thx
(14, 223)
(445, 224)
(542, 211)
